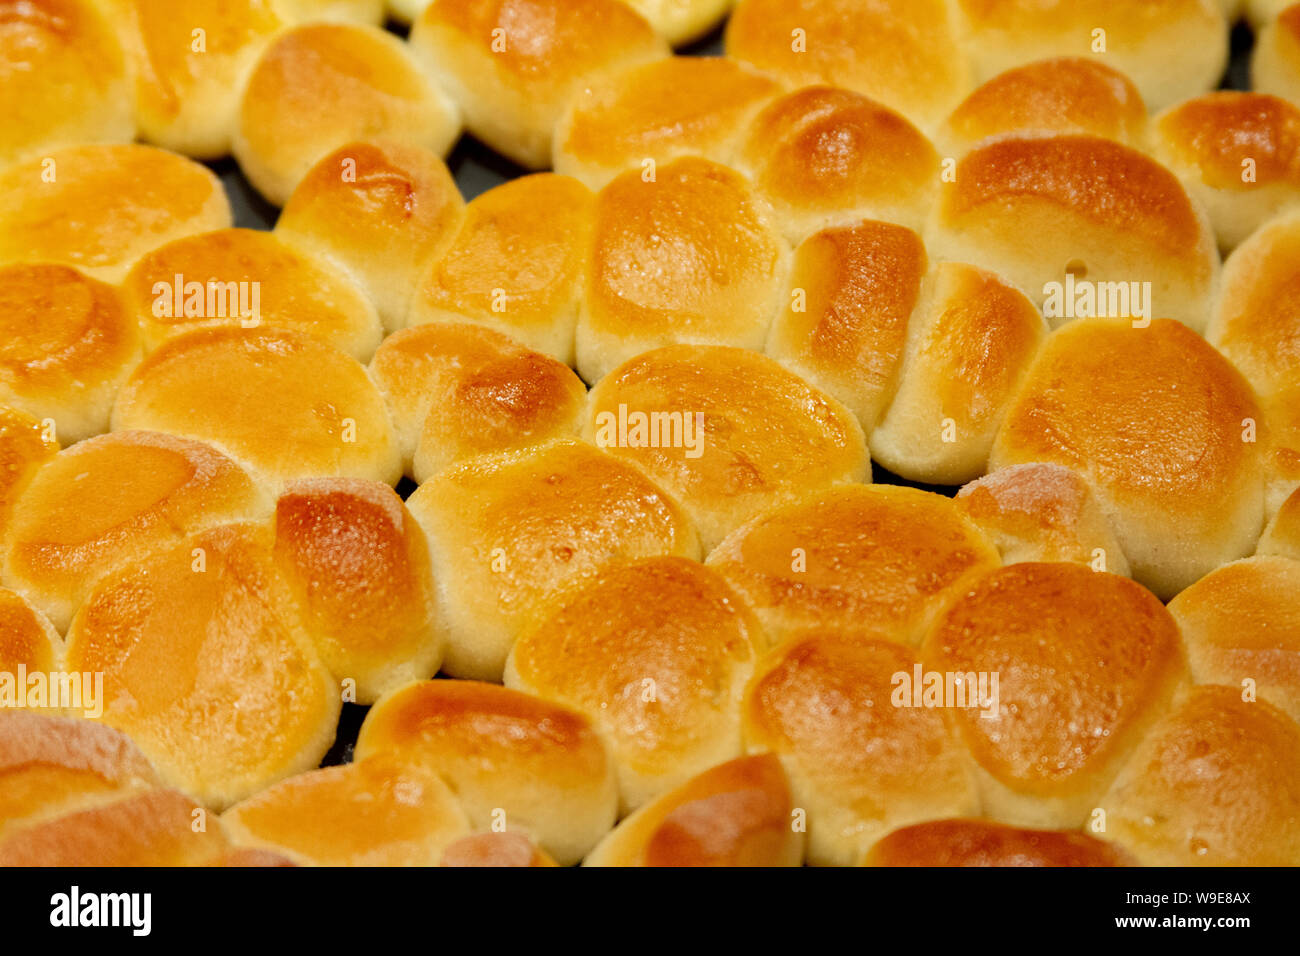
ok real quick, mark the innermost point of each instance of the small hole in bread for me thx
(1077, 268)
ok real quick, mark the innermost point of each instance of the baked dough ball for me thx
(514, 65)
(1084, 226)
(903, 53)
(244, 858)
(495, 849)
(67, 343)
(983, 843)
(1261, 12)
(25, 444)
(693, 257)
(1072, 667)
(63, 78)
(244, 278)
(381, 209)
(321, 85)
(1160, 424)
(727, 432)
(358, 565)
(29, 645)
(640, 118)
(516, 264)
(1275, 63)
(110, 501)
(739, 813)
(1282, 536)
(656, 654)
(1238, 154)
(344, 11)
(1172, 49)
(682, 21)
(878, 556)
(843, 325)
(207, 665)
(513, 760)
(374, 812)
(970, 342)
(510, 532)
(458, 390)
(285, 405)
(100, 208)
(823, 156)
(1040, 512)
(1217, 783)
(859, 765)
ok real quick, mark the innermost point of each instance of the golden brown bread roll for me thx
(244, 857)
(381, 208)
(375, 812)
(970, 343)
(682, 21)
(515, 265)
(1275, 62)
(67, 343)
(1217, 783)
(1162, 427)
(207, 665)
(982, 843)
(513, 65)
(1084, 226)
(63, 78)
(1077, 665)
(656, 654)
(510, 532)
(1282, 536)
(503, 849)
(1041, 512)
(1282, 443)
(110, 501)
(320, 85)
(693, 257)
(727, 432)
(859, 765)
(358, 565)
(739, 813)
(858, 555)
(29, 646)
(514, 761)
(285, 405)
(903, 53)
(25, 444)
(825, 156)
(344, 11)
(640, 119)
(100, 208)
(243, 278)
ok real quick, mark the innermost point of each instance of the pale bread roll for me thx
(1282, 536)
(25, 444)
(29, 645)
(1282, 443)
(1275, 62)
(1261, 12)
(343, 11)
(496, 849)
(982, 843)
(682, 21)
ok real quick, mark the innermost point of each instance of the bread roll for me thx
(510, 532)
(1160, 424)
(880, 555)
(381, 208)
(903, 53)
(1039, 512)
(513, 65)
(107, 503)
(503, 849)
(321, 85)
(100, 208)
(1084, 226)
(682, 21)
(739, 813)
(207, 665)
(1217, 783)
(859, 766)
(1238, 154)
(639, 118)
(1063, 669)
(1282, 536)
(406, 11)
(1261, 12)
(29, 646)
(843, 325)
(656, 654)
(284, 404)
(1275, 63)
(374, 812)
(358, 565)
(343, 11)
(63, 79)
(243, 857)
(1172, 49)
(25, 444)
(516, 264)
(692, 257)
(981, 843)
(67, 343)
(970, 342)
(729, 433)
(824, 156)
(515, 761)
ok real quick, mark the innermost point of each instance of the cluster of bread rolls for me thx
(638, 602)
